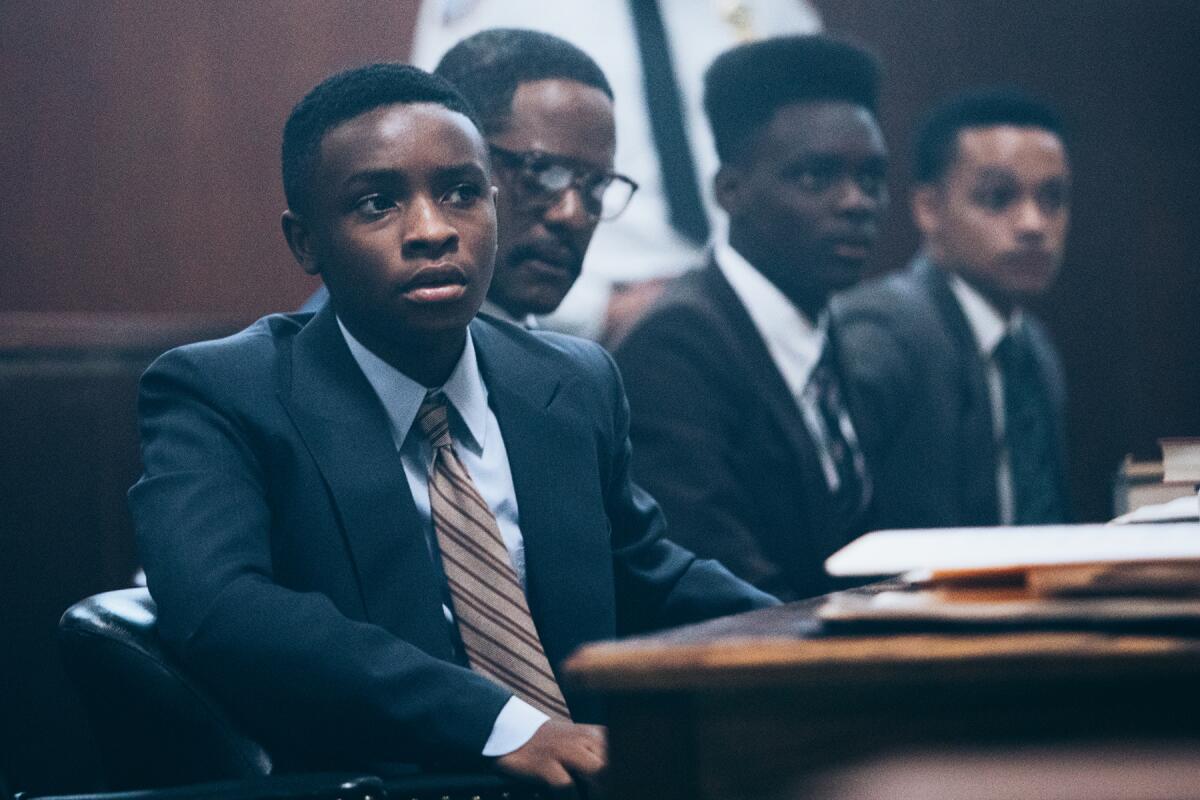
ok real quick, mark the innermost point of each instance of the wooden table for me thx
(752, 706)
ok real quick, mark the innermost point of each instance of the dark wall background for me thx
(139, 146)
(68, 452)
(140, 201)
(1126, 311)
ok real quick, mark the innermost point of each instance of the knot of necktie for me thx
(1014, 353)
(433, 419)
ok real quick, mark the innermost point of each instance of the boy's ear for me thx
(727, 187)
(299, 240)
(925, 202)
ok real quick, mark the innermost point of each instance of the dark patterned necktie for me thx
(493, 616)
(1029, 432)
(842, 460)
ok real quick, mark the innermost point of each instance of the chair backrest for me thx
(155, 726)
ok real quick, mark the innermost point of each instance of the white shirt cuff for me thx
(515, 725)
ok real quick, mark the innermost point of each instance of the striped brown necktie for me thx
(493, 616)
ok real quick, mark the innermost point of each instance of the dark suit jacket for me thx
(925, 415)
(720, 443)
(281, 541)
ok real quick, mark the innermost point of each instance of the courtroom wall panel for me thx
(68, 453)
(139, 146)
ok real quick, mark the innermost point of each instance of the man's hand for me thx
(562, 755)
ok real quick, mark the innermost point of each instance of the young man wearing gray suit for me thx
(962, 390)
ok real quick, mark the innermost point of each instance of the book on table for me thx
(1177, 489)
(1181, 459)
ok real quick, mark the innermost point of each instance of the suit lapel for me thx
(549, 457)
(978, 432)
(346, 430)
(955, 321)
(820, 537)
(764, 378)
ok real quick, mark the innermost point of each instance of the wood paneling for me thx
(68, 453)
(139, 146)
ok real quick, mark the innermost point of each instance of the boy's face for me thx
(999, 215)
(805, 205)
(402, 222)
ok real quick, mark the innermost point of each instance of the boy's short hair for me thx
(344, 96)
(937, 138)
(745, 86)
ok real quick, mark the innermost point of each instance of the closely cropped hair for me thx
(937, 139)
(488, 67)
(342, 97)
(745, 86)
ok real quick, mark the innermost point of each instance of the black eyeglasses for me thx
(544, 177)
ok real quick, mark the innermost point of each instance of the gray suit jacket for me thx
(291, 570)
(924, 415)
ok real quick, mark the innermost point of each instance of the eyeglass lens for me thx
(604, 196)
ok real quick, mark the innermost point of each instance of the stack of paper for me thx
(1024, 574)
(1181, 509)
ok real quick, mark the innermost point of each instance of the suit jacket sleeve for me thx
(295, 666)
(881, 369)
(658, 583)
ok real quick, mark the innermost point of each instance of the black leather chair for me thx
(157, 728)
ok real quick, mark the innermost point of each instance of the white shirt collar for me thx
(529, 323)
(987, 323)
(402, 396)
(794, 342)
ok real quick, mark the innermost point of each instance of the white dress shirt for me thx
(478, 443)
(488, 307)
(794, 342)
(989, 326)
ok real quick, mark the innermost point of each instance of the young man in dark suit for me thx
(962, 389)
(741, 424)
(376, 531)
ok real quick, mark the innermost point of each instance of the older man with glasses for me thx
(547, 114)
